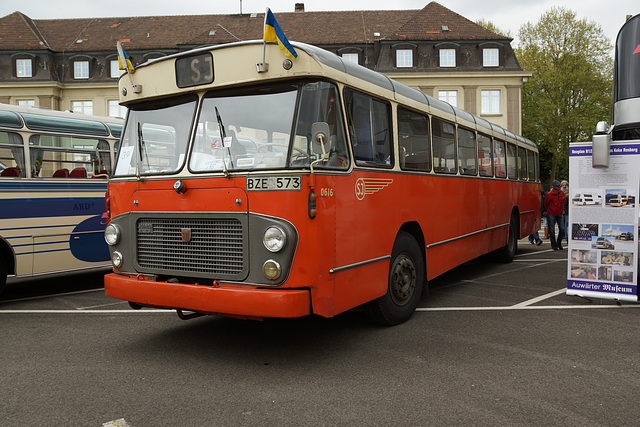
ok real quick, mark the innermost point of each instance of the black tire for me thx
(3, 274)
(507, 253)
(405, 283)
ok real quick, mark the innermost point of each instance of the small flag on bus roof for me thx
(124, 63)
(273, 33)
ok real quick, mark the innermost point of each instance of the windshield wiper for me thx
(141, 149)
(223, 135)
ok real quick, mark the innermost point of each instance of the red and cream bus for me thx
(314, 186)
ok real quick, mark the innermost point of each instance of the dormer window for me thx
(350, 57)
(24, 68)
(81, 69)
(404, 58)
(447, 58)
(490, 57)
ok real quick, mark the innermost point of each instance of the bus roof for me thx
(335, 62)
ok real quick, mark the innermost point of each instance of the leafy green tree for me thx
(492, 27)
(571, 87)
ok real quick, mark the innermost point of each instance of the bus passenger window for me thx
(522, 163)
(499, 158)
(531, 165)
(413, 141)
(484, 155)
(369, 127)
(11, 155)
(444, 146)
(512, 169)
(467, 152)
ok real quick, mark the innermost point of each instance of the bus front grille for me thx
(199, 247)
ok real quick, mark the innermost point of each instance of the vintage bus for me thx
(257, 190)
(53, 178)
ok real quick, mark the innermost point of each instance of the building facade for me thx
(71, 64)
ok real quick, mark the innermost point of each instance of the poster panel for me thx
(603, 223)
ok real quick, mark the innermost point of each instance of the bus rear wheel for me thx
(507, 253)
(405, 283)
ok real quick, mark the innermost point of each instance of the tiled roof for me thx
(19, 32)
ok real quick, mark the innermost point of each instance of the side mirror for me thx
(320, 133)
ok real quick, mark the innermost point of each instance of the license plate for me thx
(274, 183)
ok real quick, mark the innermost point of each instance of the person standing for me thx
(564, 185)
(554, 205)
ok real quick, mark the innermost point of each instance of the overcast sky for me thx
(505, 14)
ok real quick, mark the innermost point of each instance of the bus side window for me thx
(467, 152)
(522, 164)
(499, 158)
(512, 169)
(11, 155)
(485, 161)
(531, 165)
(369, 128)
(444, 146)
(413, 141)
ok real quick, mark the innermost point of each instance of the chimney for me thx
(299, 7)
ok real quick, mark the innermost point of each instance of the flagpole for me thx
(263, 67)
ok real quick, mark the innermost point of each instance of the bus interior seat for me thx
(12, 171)
(99, 174)
(78, 173)
(61, 173)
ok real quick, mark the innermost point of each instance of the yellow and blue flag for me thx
(273, 33)
(124, 63)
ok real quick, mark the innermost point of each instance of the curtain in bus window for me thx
(103, 160)
(512, 168)
(499, 158)
(11, 155)
(444, 146)
(484, 155)
(36, 155)
(413, 141)
(467, 152)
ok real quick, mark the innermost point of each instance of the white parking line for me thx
(52, 295)
(529, 307)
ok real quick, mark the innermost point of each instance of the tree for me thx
(571, 87)
(492, 27)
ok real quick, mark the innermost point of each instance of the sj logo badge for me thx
(368, 186)
(186, 234)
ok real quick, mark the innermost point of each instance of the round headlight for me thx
(271, 270)
(112, 234)
(116, 259)
(274, 239)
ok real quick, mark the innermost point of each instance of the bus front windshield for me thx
(263, 127)
(269, 127)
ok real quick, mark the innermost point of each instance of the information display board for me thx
(603, 223)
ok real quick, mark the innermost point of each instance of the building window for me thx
(81, 69)
(26, 102)
(404, 58)
(490, 57)
(490, 101)
(117, 110)
(350, 57)
(84, 107)
(450, 96)
(115, 71)
(447, 57)
(24, 68)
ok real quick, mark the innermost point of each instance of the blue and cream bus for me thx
(54, 168)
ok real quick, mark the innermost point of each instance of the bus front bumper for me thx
(226, 300)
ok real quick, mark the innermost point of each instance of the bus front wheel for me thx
(405, 283)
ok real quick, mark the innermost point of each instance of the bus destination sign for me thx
(194, 70)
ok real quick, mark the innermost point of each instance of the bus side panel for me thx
(53, 226)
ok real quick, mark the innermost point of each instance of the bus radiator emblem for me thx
(368, 186)
(186, 234)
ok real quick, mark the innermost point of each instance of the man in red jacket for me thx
(554, 204)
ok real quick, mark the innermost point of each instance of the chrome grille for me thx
(215, 246)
